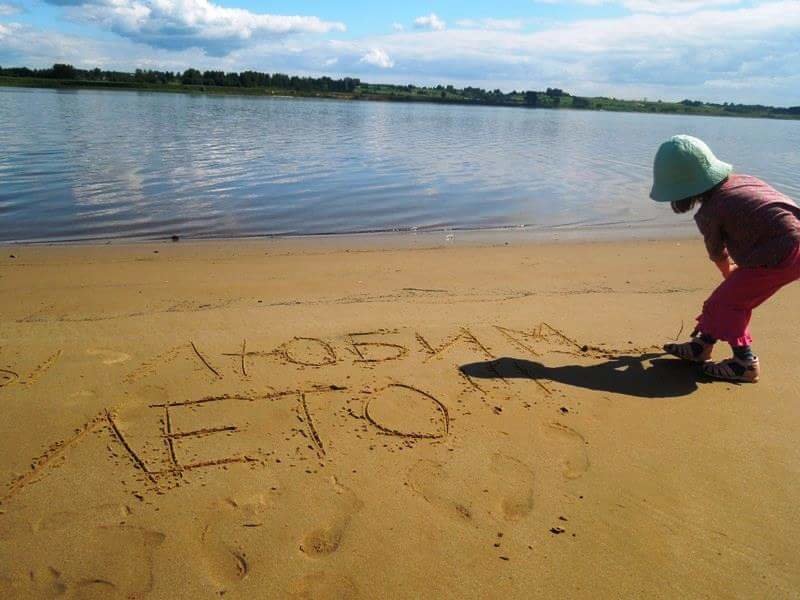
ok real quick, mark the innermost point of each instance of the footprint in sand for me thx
(226, 560)
(6, 587)
(109, 357)
(515, 486)
(242, 534)
(227, 564)
(95, 589)
(46, 583)
(105, 515)
(113, 562)
(457, 487)
(323, 586)
(323, 541)
(431, 480)
(327, 538)
(576, 461)
(7, 377)
(119, 564)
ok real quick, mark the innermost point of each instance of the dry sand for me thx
(288, 420)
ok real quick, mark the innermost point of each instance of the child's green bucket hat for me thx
(684, 167)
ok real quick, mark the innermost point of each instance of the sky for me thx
(744, 51)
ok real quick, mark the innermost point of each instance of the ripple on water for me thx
(94, 164)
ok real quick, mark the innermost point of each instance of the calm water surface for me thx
(87, 165)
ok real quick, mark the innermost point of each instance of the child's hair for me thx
(687, 204)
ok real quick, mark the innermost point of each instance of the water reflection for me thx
(76, 165)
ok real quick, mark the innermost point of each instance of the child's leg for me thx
(727, 312)
(743, 353)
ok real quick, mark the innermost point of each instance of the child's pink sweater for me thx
(750, 221)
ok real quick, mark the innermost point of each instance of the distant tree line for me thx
(744, 108)
(246, 79)
(190, 79)
(551, 98)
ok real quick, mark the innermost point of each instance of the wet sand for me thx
(304, 419)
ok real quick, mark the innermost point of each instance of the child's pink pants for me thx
(726, 314)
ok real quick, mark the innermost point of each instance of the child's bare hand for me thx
(726, 267)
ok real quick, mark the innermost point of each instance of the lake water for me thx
(77, 165)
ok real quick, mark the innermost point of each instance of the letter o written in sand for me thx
(308, 352)
(406, 411)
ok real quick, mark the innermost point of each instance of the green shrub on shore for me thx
(63, 76)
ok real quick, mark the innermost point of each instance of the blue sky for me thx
(721, 50)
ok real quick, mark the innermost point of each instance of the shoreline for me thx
(412, 238)
(254, 419)
(619, 106)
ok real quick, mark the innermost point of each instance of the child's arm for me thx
(711, 228)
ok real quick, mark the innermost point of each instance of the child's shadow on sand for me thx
(663, 378)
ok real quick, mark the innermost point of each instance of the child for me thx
(752, 233)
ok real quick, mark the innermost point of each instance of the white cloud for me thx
(27, 46)
(492, 24)
(398, 27)
(687, 57)
(746, 54)
(654, 6)
(9, 8)
(431, 21)
(675, 6)
(181, 24)
(378, 58)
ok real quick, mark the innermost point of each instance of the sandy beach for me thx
(319, 419)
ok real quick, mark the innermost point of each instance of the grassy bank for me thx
(552, 98)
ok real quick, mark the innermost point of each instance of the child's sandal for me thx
(695, 351)
(733, 369)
